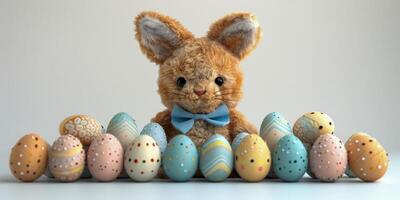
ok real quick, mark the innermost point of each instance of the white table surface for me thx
(388, 188)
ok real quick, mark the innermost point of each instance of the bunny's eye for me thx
(219, 81)
(180, 82)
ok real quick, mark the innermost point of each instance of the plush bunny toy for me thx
(200, 80)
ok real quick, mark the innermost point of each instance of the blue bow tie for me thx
(184, 120)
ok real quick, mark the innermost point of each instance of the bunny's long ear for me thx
(238, 32)
(159, 35)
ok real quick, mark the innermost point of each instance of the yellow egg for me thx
(252, 158)
(84, 127)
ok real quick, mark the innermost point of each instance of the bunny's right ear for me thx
(159, 35)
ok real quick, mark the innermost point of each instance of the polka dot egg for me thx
(28, 158)
(155, 131)
(328, 158)
(311, 125)
(67, 158)
(84, 127)
(238, 139)
(142, 158)
(180, 159)
(252, 158)
(289, 159)
(105, 157)
(216, 158)
(123, 126)
(368, 160)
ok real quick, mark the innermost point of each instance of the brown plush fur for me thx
(200, 61)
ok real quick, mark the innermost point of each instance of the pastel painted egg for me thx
(180, 159)
(216, 158)
(252, 159)
(156, 131)
(348, 172)
(123, 126)
(86, 172)
(67, 158)
(84, 127)
(105, 157)
(368, 160)
(311, 125)
(328, 158)
(238, 139)
(28, 158)
(289, 159)
(273, 128)
(142, 158)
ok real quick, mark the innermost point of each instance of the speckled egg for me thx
(238, 139)
(273, 128)
(67, 158)
(216, 158)
(368, 160)
(156, 131)
(252, 159)
(105, 157)
(142, 158)
(289, 159)
(311, 125)
(123, 126)
(28, 158)
(328, 158)
(180, 159)
(84, 127)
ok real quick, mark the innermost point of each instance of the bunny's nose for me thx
(199, 92)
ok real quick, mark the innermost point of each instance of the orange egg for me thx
(28, 158)
(367, 158)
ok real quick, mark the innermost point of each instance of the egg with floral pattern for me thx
(84, 127)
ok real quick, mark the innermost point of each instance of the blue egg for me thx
(180, 158)
(289, 159)
(156, 131)
(273, 128)
(124, 127)
(349, 173)
(216, 158)
(238, 139)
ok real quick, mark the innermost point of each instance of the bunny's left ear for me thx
(239, 33)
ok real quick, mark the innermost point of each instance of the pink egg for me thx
(105, 157)
(328, 158)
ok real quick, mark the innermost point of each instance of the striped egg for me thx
(273, 128)
(238, 139)
(216, 158)
(67, 158)
(252, 159)
(84, 127)
(123, 126)
(156, 131)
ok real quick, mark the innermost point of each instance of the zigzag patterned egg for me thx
(180, 159)
(67, 158)
(124, 127)
(156, 131)
(84, 127)
(252, 158)
(216, 158)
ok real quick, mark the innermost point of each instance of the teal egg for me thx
(349, 173)
(156, 131)
(216, 158)
(238, 139)
(124, 128)
(289, 160)
(180, 159)
(273, 128)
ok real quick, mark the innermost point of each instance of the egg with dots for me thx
(311, 125)
(328, 158)
(156, 131)
(28, 158)
(216, 158)
(180, 159)
(237, 140)
(124, 127)
(368, 160)
(289, 159)
(252, 159)
(84, 127)
(105, 157)
(142, 159)
(67, 158)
